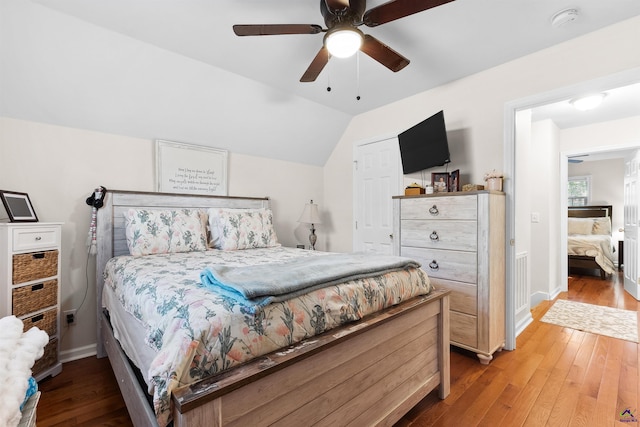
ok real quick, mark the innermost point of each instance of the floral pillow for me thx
(164, 231)
(234, 229)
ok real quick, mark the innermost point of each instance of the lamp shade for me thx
(310, 214)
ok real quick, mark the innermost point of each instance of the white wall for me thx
(543, 190)
(58, 167)
(474, 108)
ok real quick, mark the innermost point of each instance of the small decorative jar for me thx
(493, 180)
(494, 184)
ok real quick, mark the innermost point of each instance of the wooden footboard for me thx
(369, 373)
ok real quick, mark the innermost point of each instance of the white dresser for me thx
(30, 284)
(459, 238)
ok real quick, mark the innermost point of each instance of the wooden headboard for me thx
(110, 232)
(590, 211)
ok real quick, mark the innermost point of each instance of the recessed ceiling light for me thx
(588, 102)
(564, 17)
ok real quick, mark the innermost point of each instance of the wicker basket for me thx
(31, 298)
(49, 358)
(46, 321)
(34, 266)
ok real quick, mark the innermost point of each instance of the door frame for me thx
(356, 145)
(623, 78)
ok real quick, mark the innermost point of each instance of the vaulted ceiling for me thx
(175, 70)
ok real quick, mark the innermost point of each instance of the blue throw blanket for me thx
(258, 285)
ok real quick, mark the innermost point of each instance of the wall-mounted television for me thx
(424, 145)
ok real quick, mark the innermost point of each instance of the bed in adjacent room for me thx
(589, 240)
(195, 339)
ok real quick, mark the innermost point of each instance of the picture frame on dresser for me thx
(18, 206)
(440, 182)
(454, 181)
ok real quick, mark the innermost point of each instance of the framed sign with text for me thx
(190, 169)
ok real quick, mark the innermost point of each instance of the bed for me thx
(368, 371)
(589, 241)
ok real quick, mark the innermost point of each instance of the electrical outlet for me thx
(70, 317)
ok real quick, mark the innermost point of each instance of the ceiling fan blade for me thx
(276, 29)
(316, 66)
(397, 9)
(383, 54)
(358, 7)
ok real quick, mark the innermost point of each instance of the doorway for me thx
(559, 273)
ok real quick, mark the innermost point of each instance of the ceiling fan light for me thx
(343, 43)
(588, 102)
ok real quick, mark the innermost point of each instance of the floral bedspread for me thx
(198, 333)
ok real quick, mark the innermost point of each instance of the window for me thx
(579, 190)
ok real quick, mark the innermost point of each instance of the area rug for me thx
(611, 322)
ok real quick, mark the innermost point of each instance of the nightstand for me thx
(30, 284)
(620, 254)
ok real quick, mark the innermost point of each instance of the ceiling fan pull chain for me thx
(357, 76)
(328, 72)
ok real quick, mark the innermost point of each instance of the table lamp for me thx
(310, 216)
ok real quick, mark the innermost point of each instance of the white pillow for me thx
(580, 226)
(164, 231)
(602, 226)
(235, 229)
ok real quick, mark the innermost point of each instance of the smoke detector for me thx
(564, 17)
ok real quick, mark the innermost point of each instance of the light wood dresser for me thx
(459, 238)
(30, 284)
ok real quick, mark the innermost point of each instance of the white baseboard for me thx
(538, 297)
(77, 353)
(523, 323)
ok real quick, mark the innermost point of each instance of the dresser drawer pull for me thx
(38, 255)
(38, 238)
(37, 287)
(434, 236)
(37, 318)
(434, 210)
(433, 265)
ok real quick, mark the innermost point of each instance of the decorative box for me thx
(412, 191)
(472, 187)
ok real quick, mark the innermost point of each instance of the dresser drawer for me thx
(439, 234)
(27, 239)
(31, 298)
(463, 297)
(46, 321)
(442, 264)
(34, 266)
(48, 359)
(451, 207)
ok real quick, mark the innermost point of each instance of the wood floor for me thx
(556, 377)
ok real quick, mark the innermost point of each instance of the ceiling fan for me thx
(342, 18)
(575, 159)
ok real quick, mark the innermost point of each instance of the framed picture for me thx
(190, 169)
(440, 182)
(18, 206)
(454, 180)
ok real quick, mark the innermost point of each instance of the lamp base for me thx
(313, 238)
